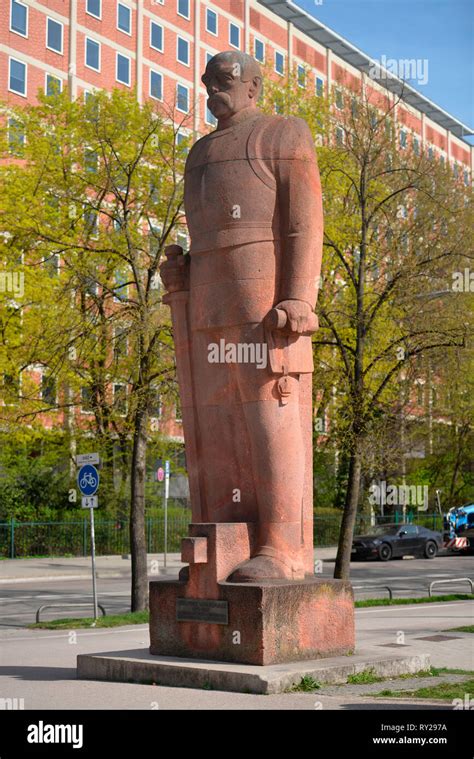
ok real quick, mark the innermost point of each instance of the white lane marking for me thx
(410, 607)
(34, 635)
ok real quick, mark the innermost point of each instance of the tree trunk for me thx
(343, 560)
(137, 515)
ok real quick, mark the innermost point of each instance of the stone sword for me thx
(178, 303)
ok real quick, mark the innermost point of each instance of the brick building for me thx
(160, 47)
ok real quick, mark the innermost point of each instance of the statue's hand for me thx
(299, 314)
(174, 272)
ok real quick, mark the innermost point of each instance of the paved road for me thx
(409, 577)
(39, 666)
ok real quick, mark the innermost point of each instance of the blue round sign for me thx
(88, 479)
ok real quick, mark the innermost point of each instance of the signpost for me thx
(167, 491)
(88, 480)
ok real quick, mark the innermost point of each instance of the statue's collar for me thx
(239, 118)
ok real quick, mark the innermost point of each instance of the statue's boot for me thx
(280, 557)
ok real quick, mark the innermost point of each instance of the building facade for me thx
(160, 49)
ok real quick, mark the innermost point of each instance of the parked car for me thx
(390, 541)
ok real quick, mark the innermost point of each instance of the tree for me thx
(96, 189)
(396, 222)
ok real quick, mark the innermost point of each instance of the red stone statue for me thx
(242, 302)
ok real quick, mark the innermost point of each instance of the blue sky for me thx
(441, 31)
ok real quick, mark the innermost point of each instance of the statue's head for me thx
(233, 81)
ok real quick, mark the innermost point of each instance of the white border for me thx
(180, 84)
(89, 13)
(53, 49)
(125, 5)
(14, 31)
(17, 60)
(183, 39)
(120, 81)
(153, 71)
(91, 39)
(162, 37)
(182, 14)
(216, 33)
(231, 24)
(58, 79)
(280, 73)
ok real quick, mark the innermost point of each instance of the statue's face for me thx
(227, 93)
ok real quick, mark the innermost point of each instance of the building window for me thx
(91, 222)
(54, 35)
(120, 343)
(16, 136)
(210, 118)
(416, 146)
(156, 36)
(465, 175)
(54, 85)
(183, 8)
(123, 69)
(182, 51)
(51, 264)
(279, 62)
(234, 35)
(19, 18)
(182, 98)
(17, 77)
(301, 75)
(120, 399)
(92, 54)
(319, 87)
(403, 138)
(121, 287)
(211, 22)
(48, 390)
(339, 100)
(339, 135)
(90, 161)
(156, 85)
(155, 409)
(209, 56)
(430, 153)
(93, 8)
(259, 50)
(87, 404)
(124, 18)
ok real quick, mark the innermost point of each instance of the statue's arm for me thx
(301, 220)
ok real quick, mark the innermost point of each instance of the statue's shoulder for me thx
(284, 137)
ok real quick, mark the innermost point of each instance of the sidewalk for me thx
(78, 568)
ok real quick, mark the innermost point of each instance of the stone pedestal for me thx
(203, 616)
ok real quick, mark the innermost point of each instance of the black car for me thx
(390, 541)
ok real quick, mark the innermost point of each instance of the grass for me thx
(403, 601)
(465, 629)
(365, 677)
(441, 691)
(115, 620)
(307, 684)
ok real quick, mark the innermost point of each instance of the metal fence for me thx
(72, 538)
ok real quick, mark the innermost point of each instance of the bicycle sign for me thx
(88, 479)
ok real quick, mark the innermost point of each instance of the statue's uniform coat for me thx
(254, 213)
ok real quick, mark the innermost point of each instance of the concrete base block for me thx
(139, 666)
